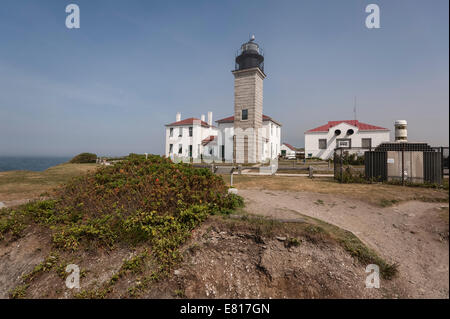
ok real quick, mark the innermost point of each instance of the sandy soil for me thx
(413, 234)
(232, 263)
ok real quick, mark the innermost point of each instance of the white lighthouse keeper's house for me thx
(321, 141)
(185, 138)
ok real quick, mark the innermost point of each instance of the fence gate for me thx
(432, 167)
(375, 165)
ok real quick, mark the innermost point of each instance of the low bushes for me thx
(350, 175)
(84, 158)
(137, 200)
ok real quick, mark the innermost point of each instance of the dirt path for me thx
(413, 234)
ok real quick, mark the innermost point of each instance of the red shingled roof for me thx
(361, 126)
(188, 121)
(230, 119)
(208, 139)
(290, 146)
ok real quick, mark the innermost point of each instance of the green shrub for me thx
(350, 175)
(352, 159)
(84, 158)
(136, 200)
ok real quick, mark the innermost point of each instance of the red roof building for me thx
(361, 126)
(189, 121)
(292, 148)
(208, 139)
(351, 135)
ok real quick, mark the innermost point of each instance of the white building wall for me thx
(270, 149)
(289, 152)
(312, 140)
(273, 147)
(199, 133)
(226, 138)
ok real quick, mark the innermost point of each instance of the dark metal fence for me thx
(402, 162)
(432, 167)
(375, 165)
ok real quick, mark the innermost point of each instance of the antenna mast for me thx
(354, 108)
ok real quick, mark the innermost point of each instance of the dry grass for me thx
(372, 193)
(18, 185)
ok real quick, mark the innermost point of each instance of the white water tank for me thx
(401, 131)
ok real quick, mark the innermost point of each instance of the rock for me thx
(177, 272)
(281, 238)
(2, 205)
(232, 191)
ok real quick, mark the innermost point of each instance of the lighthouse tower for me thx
(248, 103)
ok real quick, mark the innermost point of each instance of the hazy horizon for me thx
(111, 86)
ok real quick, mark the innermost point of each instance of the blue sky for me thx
(110, 86)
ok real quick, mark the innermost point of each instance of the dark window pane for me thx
(366, 142)
(322, 144)
(245, 114)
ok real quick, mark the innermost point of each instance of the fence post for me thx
(310, 168)
(372, 162)
(403, 165)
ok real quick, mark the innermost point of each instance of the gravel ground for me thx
(413, 234)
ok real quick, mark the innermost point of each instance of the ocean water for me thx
(30, 163)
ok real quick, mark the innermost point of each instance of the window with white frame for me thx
(180, 148)
(171, 132)
(180, 132)
(170, 148)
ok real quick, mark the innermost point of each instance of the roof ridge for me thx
(360, 125)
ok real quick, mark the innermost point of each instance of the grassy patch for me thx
(370, 193)
(19, 292)
(179, 293)
(18, 185)
(319, 202)
(365, 255)
(292, 242)
(388, 202)
(47, 265)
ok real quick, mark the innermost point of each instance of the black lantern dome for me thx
(250, 56)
